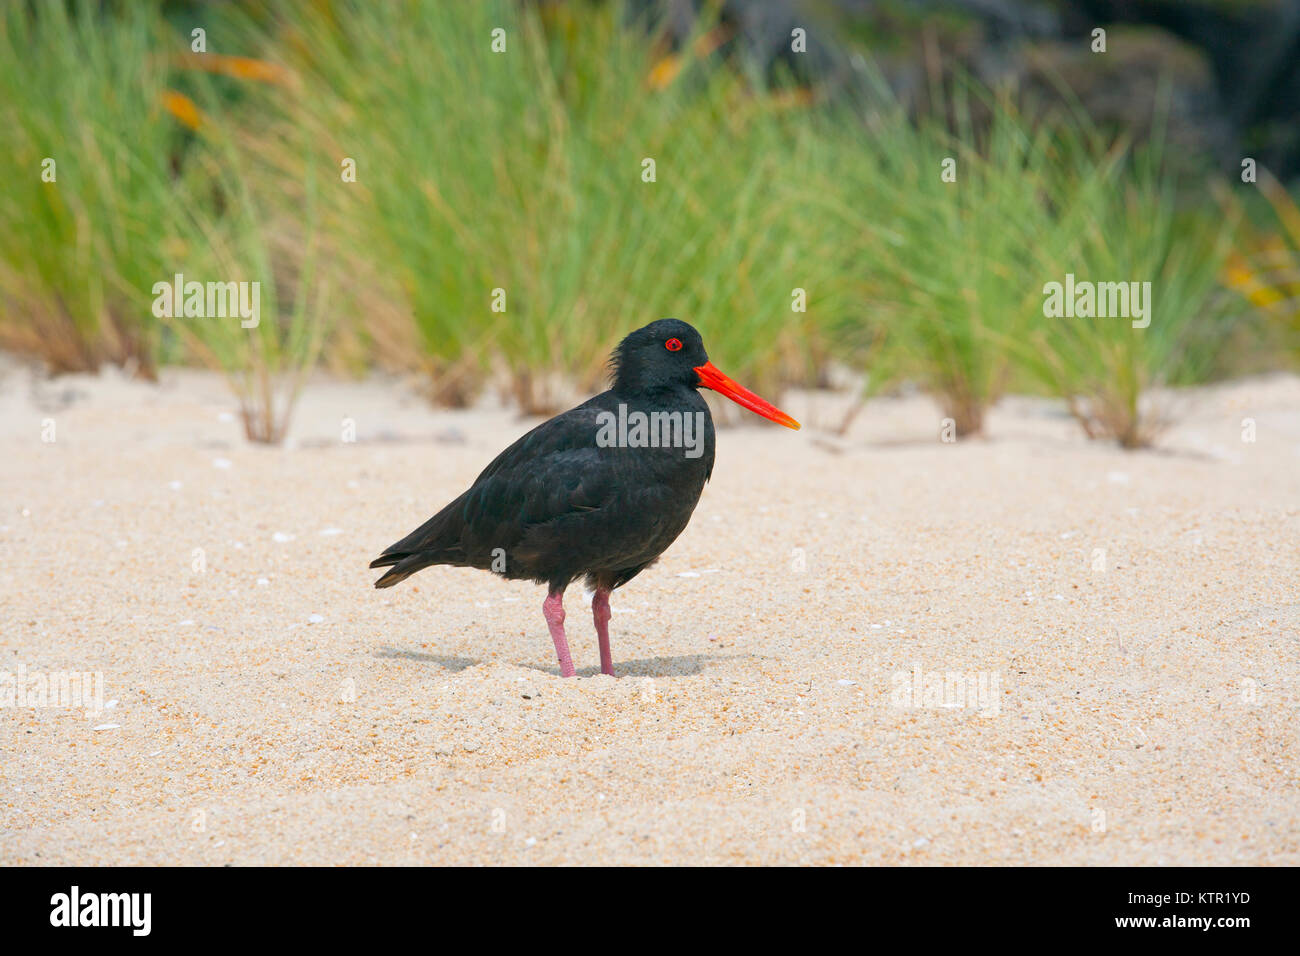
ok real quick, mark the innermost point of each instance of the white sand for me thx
(1146, 713)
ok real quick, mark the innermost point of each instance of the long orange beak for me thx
(710, 377)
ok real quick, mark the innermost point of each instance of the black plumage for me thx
(564, 502)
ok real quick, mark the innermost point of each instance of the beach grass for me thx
(489, 195)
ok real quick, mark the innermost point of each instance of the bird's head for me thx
(669, 352)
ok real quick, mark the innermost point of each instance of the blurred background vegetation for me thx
(774, 171)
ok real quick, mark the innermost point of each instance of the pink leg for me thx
(553, 611)
(600, 614)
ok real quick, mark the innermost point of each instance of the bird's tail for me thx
(437, 541)
(401, 566)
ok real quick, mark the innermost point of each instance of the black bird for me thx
(597, 492)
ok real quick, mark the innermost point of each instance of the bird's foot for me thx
(553, 611)
(600, 614)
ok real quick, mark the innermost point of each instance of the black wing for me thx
(554, 470)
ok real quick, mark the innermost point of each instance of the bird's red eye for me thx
(673, 345)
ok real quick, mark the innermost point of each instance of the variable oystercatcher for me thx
(597, 492)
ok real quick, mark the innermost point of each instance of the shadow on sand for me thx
(680, 666)
(446, 661)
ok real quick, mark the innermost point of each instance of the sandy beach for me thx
(871, 649)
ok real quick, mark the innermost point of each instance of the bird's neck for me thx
(672, 395)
